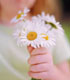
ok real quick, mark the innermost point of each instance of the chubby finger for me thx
(38, 51)
(42, 75)
(39, 59)
(39, 67)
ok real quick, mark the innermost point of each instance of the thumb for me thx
(30, 49)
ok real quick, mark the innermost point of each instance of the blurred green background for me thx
(66, 27)
(66, 17)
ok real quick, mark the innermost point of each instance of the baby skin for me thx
(42, 67)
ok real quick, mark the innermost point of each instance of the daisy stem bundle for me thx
(35, 79)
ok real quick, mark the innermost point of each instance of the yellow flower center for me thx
(32, 36)
(19, 15)
(46, 37)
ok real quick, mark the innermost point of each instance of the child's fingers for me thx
(40, 67)
(42, 75)
(39, 59)
(38, 51)
(30, 49)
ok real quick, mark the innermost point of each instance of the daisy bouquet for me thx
(40, 31)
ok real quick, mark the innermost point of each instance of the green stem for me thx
(35, 79)
(52, 24)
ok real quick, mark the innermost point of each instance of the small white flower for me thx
(20, 16)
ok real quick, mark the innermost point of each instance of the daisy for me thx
(20, 16)
(49, 20)
(32, 34)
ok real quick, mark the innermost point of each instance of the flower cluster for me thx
(40, 31)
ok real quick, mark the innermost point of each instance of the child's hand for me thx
(41, 63)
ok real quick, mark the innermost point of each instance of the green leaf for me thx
(53, 25)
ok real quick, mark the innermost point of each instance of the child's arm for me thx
(42, 66)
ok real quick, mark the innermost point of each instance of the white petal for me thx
(13, 20)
